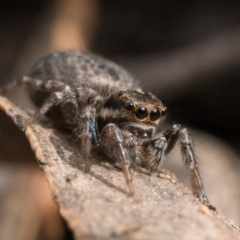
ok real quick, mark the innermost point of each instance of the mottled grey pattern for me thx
(77, 69)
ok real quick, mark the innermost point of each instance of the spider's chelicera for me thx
(102, 105)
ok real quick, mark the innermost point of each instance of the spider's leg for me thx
(54, 99)
(69, 101)
(43, 85)
(50, 93)
(87, 132)
(75, 114)
(55, 92)
(112, 144)
(35, 84)
(88, 100)
(191, 163)
(165, 144)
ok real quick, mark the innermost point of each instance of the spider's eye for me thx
(141, 112)
(129, 106)
(120, 93)
(164, 111)
(154, 115)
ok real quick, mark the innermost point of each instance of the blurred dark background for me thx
(186, 52)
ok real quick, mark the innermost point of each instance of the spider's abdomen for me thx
(78, 69)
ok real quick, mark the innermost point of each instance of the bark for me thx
(97, 205)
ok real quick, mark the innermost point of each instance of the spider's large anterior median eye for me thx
(141, 112)
(155, 114)
(129, 106)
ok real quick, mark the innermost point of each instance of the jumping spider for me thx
(94, 99)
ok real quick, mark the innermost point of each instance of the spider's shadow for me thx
(73, 159)
(107, 182)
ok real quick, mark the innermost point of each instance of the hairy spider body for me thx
(103, 106)
(76, 70)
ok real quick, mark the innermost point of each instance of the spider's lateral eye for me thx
(120, 93)
(154, 115)
(129, 106)
(164, 111)
(141, 112)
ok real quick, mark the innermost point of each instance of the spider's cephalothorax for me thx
(132, 108)
(135, 115)
(102, 105)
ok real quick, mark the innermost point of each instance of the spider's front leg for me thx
(165, 145)
(113, 145)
